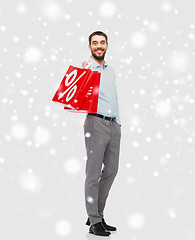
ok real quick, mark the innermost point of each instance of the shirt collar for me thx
(96, 64)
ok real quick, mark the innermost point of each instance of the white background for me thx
(42, 151)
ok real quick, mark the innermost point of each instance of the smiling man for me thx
(102, 138)
(98, 47)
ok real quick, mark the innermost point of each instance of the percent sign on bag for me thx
(79, 90)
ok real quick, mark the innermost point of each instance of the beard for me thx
(98, 57)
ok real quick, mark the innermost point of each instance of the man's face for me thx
(98, 47)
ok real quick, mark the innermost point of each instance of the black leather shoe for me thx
(98, 229)
(107, 227)
(88, 222)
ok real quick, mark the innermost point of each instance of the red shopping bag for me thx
(79, 90)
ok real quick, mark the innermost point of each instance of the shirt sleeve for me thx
(117, 112)
(117, 105)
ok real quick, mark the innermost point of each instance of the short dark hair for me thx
(98, 33)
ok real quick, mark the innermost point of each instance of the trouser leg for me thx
(111, 162)
(96, 144)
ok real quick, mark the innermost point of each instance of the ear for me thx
(89, 46)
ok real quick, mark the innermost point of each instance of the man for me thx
(102, 138)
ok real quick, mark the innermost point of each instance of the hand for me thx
(85, 63)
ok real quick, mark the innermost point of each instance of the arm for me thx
(117, 112)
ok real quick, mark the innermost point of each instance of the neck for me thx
(101, 62)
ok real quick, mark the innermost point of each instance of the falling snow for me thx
(136, 221)
(107, 9)
(63, 228)
(138, 39)
(51, 10)
(72, 166)
(33, 55)
(30, 182)
(42, 157)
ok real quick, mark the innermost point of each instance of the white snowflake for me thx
(63, 228)
(33, 54)
(136, 220)
(19, 131)
(107, 9)
(138, 39)
(72, 166)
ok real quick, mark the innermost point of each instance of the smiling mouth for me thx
(99, 51)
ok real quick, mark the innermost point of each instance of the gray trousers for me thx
(102, 141)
